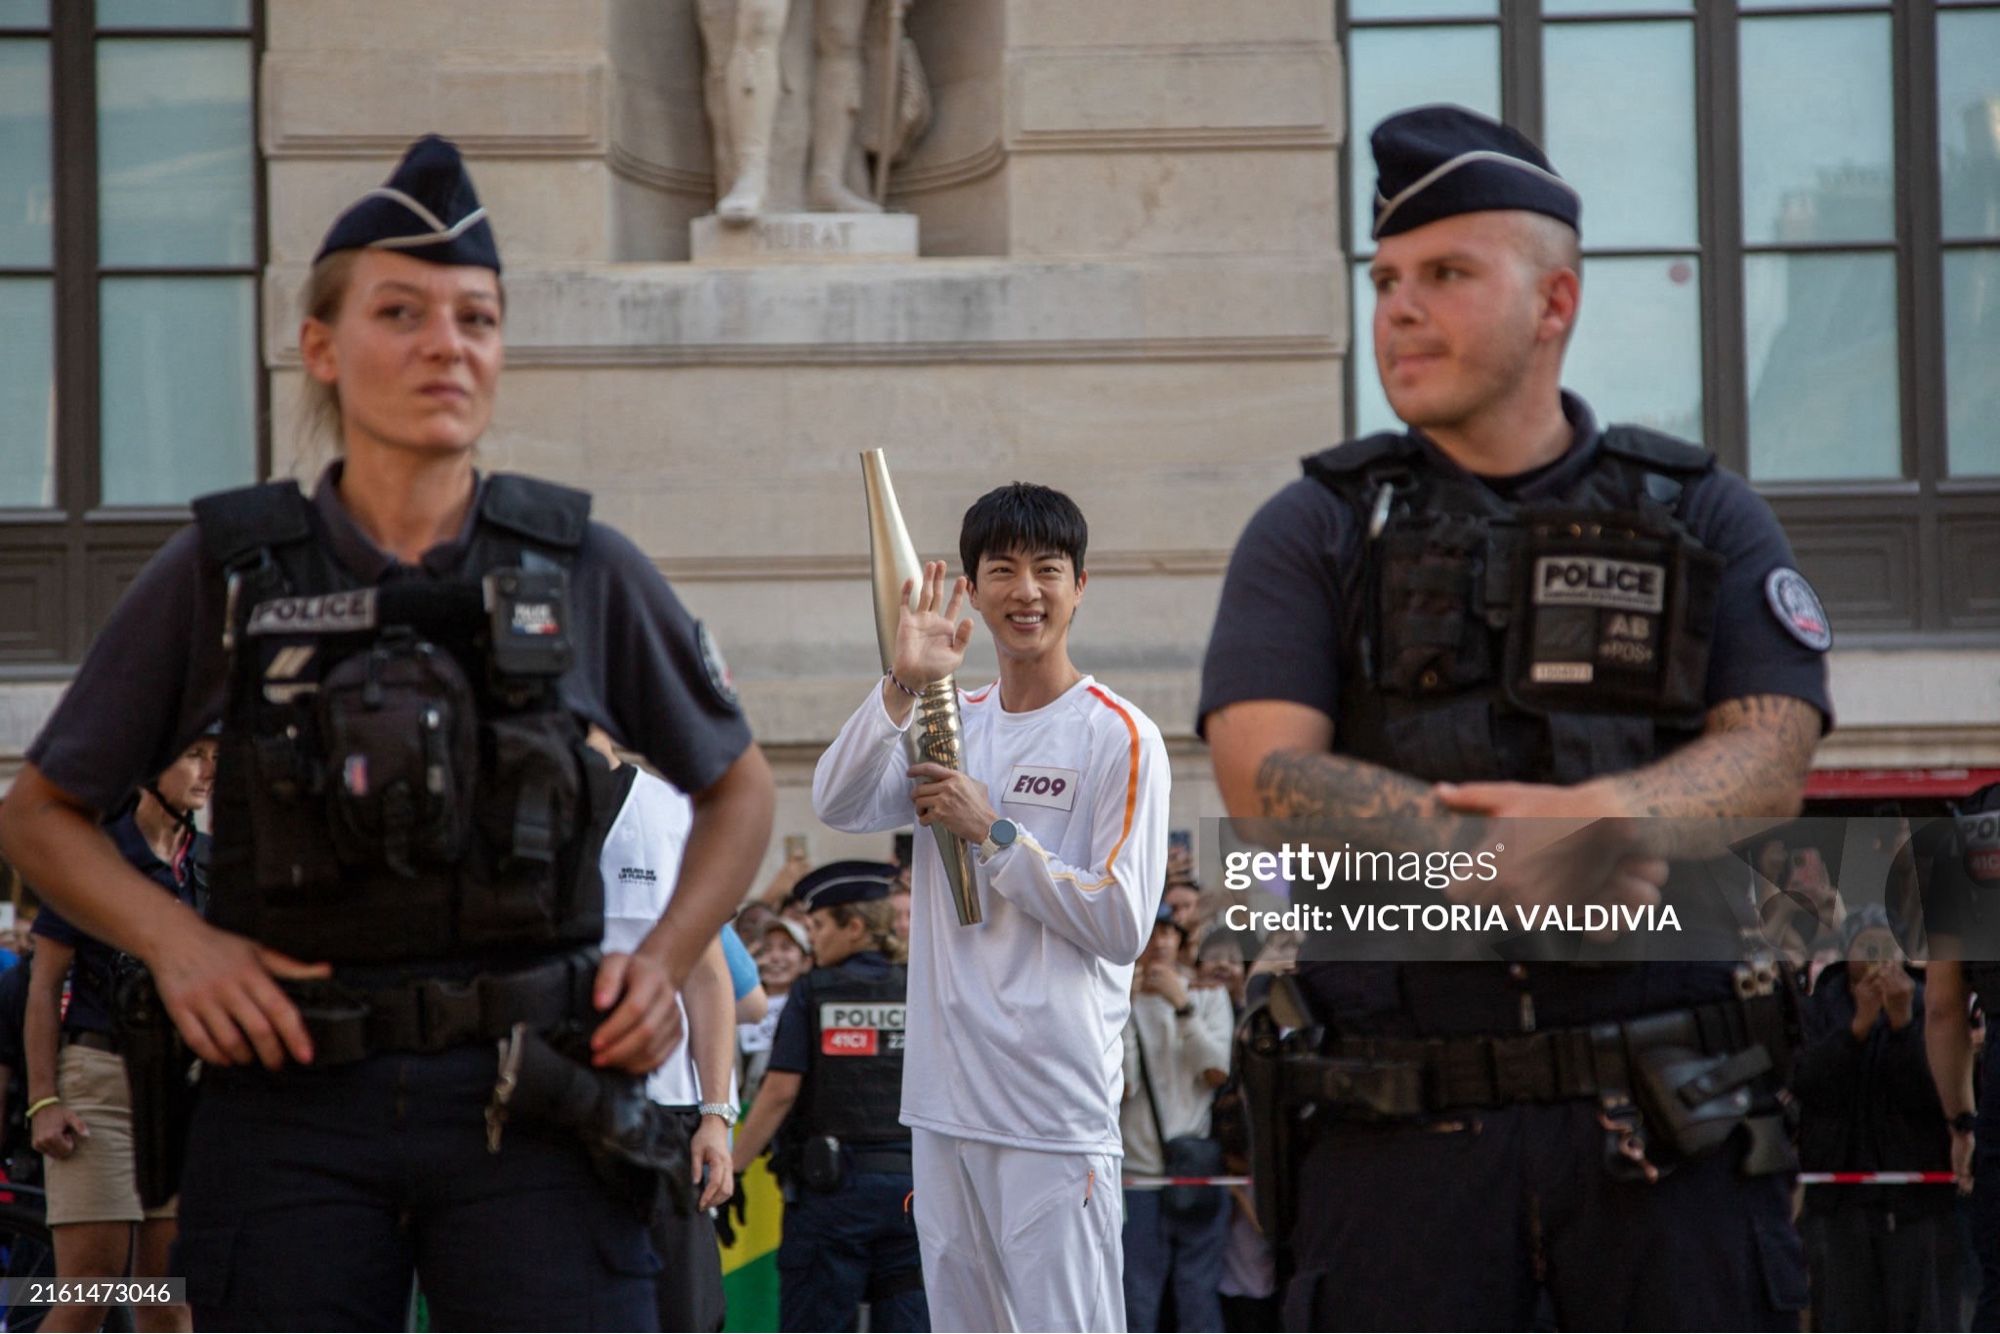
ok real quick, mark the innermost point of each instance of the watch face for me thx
(1004, 832)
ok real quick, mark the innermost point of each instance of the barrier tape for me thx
(1805, 1179)
(1161, 1183)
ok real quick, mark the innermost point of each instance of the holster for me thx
(637, 1147)
(1272, 1035)
(162, 1074)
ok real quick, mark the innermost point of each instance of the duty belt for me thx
(431, 1014)
(1405, 1077)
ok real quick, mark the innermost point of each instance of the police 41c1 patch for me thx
(719, 678)
(1798, 608)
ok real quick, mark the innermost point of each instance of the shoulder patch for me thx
(713, 663)
(1798, 608)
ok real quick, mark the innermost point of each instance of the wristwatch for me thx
(1001, 835)
(725, 1110)
(1965, 1123)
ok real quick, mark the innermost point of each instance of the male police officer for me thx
(1375, 657)
(836, 1082)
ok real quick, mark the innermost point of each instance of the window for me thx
(1792, 241)
(131, 238)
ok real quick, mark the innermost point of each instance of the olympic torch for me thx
(936, 735)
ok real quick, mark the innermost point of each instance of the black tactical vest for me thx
(854, 1090)
(398, 779)
(1551, 640)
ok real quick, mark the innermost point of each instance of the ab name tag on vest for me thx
(1030, 785)
(860, 1028)
(1601, 599)
(319, 614)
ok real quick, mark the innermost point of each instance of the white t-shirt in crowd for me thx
(1015, 1025)
(640, 863)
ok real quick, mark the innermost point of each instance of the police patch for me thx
(322, 614)
(719, 679)
(1600, 581)
(1798, 609)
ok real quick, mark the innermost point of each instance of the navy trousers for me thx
(1480, 1224)
(312, 1196)
(848, 1246)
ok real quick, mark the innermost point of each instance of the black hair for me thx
(1022, 517)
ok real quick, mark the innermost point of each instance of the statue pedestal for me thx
(777, 238)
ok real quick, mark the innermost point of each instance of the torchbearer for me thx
(1015, 1022)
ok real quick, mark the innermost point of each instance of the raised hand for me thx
(930, 644)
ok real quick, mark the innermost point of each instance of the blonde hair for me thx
(879, 916)
(319, 404)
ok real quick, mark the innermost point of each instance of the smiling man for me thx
(1015, 1024)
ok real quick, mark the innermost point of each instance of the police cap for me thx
(836, 883)
(1439, 161)
(427, 209)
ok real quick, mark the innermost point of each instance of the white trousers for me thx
(1018, 1239)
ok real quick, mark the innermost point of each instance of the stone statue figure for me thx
(802, 96)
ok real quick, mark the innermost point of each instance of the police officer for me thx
(1383, 651)
(835, 1083)
(1958, 865)
(406, 827)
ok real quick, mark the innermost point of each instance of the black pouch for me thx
(399, 725)
(1614, 613)
(291, 848)
(1693, 1103)
(1192, 1156)
(1431, 633)
(532, 801)
(822, 1166)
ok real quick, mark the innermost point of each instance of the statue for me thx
(796, 116)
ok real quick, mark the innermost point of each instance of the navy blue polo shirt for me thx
(157, 674)
(92, 974)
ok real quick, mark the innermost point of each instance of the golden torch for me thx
(936, 734)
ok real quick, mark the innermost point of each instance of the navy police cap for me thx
(836, 883)
(1439, 161)
(427, 209)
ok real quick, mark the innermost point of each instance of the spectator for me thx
(13, 1056)
(1220, 962)
(1176, 1055)
(81, 1110)
(1882, 1257)
(784, 955)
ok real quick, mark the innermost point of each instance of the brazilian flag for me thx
(750, 1265)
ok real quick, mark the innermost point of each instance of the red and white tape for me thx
(1161, 1183)
(1805, 1179)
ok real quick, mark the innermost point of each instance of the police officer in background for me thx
(407, 822)
(835, 1083)
(1370, 662)
(1958, 865)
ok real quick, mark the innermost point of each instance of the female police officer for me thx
(406, 820)
(835, 1083)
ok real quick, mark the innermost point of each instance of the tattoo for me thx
(1751, 760)
(1328, 790)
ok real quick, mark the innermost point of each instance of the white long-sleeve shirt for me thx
(1178, 1052)
(1016, 1025)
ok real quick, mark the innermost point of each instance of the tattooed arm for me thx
(1751, 759)
(1272, 761)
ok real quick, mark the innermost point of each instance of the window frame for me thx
(71, 560)
(1892, 556)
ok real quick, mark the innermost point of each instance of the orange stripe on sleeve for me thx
(1131, 784)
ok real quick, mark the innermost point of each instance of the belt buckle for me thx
(1515, 1078)
(447, 1013)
